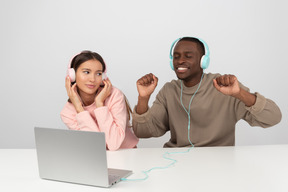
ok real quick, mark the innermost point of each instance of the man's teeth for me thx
(181, 68)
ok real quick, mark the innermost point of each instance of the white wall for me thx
(38, 38)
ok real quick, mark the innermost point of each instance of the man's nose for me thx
(181, 60)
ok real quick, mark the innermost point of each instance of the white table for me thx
(231, 169)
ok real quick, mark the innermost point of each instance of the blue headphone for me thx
(205, 59)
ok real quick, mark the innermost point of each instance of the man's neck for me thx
(193, 80)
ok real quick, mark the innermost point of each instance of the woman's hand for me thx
(73, 95)
(105, 92)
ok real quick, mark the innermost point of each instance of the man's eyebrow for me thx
(175, 52)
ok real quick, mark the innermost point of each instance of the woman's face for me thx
(89, 77)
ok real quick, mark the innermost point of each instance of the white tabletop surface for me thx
(242, 168)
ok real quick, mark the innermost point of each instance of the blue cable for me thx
(146, 172)
(170, 153)
(188, 112)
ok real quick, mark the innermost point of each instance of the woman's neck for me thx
(87, 99)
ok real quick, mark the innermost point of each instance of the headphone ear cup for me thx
(71, 74)
(104, 76)
(171, 64)
(204, 63)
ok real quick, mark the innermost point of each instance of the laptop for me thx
(75, 157)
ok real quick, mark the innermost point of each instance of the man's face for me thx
(186, 60)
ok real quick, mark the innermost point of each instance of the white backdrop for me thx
(247, 38)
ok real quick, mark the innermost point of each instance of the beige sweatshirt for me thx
(213, 115)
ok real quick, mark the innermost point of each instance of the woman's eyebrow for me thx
(86, 69)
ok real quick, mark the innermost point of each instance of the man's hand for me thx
(146, 85)
(227, 84)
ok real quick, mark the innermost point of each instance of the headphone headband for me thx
(205, 60)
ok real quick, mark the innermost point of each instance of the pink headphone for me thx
(71, 72)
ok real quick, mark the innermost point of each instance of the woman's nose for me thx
(92, 78)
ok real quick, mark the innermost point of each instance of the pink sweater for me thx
(112, 119)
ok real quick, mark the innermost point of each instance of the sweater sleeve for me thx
(153, 123)
(78, 121)
(264, 112)
(112, 119)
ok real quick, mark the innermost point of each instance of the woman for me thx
(94, 104)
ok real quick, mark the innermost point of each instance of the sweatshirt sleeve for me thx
(112, 119)
(78, 121)
(264, 112)
(153, 123)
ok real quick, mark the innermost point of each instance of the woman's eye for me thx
(99, 74)
(86, 72)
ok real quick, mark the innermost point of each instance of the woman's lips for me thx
(91, 86)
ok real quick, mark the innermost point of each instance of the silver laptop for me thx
(75, 157)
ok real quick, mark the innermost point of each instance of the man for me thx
(198, 109)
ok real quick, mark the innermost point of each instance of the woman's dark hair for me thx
(86, 56)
